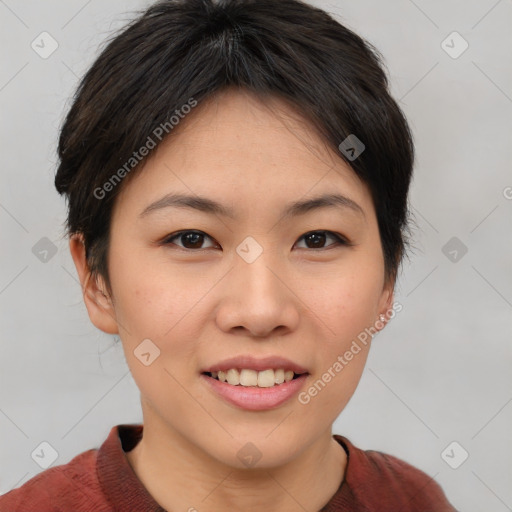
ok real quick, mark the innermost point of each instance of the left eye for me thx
(195, 239)
(318, 238)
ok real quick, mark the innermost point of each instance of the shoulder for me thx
(71, 486)
(391, 481)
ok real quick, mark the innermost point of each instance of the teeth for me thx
(279, 376)
(233, 377)
(266, 379)
(246, 377)
(249, 378)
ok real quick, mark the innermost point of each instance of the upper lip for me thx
(258, 364)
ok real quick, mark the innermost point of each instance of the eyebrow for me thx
(209, 206)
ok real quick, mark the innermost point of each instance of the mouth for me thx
(270, 395)
(255, 384)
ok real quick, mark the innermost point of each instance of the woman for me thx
(237, 177)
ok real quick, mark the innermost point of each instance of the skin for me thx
(202, 305)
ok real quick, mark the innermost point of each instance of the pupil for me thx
(194, 239)
(318, 239)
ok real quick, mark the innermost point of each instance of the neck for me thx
(166, 463)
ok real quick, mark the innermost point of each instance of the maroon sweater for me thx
(102, 480)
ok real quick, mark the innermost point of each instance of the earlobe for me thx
(388, 304)
(385, 306)
(99, 306)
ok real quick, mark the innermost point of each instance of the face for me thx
(254, 279)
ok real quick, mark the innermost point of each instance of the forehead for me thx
(236, 148)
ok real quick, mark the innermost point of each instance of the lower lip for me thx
(253, 398)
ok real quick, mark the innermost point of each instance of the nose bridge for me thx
(257, 281)
(256, 297)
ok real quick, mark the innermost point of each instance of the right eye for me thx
(190, 240)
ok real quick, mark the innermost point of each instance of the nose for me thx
(257, 300)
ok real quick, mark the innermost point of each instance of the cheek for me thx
(161, 310)
(345, 307)
(150, 297)
(166, 307)
(346, 303)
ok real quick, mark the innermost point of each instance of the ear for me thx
(99, 305)
(386, 302)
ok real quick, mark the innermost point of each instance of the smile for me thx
(253, 397)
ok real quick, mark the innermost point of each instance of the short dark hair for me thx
(182, 49)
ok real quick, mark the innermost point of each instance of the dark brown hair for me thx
(182, 49)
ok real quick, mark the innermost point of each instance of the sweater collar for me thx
(119, 483)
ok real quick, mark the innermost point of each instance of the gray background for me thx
(439, 372)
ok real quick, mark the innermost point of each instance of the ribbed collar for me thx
(120, 484)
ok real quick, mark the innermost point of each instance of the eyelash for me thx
(341, 241)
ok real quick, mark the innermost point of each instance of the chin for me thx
(256, 452)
